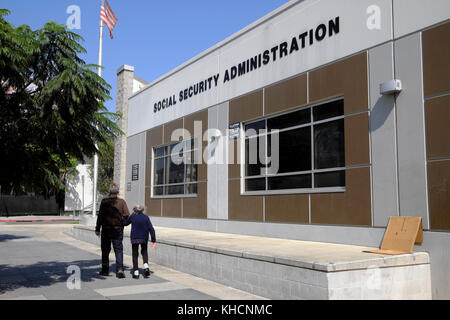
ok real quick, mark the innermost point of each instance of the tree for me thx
(51, 107)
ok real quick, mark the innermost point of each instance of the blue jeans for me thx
(114, 236)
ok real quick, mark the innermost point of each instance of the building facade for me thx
(287, 133)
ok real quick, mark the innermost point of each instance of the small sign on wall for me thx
(234, 130)
(129, 186)
(135, 172)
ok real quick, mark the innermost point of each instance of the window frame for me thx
(194, 148)
(313, 171)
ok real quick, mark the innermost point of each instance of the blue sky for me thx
(152, 36)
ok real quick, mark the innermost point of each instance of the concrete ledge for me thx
(287, 269)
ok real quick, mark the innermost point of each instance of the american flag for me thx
(108, 17)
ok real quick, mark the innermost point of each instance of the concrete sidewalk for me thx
(38, 219)
(288, 269)
(36, 257)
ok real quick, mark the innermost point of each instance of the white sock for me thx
(136, 272)
(145, 265)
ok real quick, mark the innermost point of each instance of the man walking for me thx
(112, 210)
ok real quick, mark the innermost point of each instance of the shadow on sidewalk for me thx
(43, 274)
(8, 237)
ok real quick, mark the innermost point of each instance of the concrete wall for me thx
(383, 132)
(136, 155)
(285, 278)
(437, 244)
(411, 129)
(125, 76)
(218, 168)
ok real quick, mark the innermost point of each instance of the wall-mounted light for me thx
(391, 87)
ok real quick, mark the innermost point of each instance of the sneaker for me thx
(104, 273)
(147, 273)
(136, 275)
(120, 274)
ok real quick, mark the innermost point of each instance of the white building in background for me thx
(80, 190)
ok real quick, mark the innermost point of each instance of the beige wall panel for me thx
(243, 208)
(199, 116)
(357, 149)
(285, 95)
(347, 77)
(353, 207)
(154, 138)
(439, 194)
(436, 60)
(172, 208)
(234, 168)
(437, 115)
(246, 107)
(152, 206)
(287, 208)
(196, 207)
(170, 127)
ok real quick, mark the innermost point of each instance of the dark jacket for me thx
(141, 226)
(111, 212)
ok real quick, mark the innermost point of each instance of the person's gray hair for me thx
(138, 208)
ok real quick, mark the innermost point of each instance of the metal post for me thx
(82, 196)
(94, 198)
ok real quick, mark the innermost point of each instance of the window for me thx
(175, 169)
(311, 153)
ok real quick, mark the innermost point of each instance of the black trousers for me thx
(144, 252)
(114, 236)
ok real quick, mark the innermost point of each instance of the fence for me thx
(27, 205)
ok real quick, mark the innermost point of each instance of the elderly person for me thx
(141, 227)
(109, 222)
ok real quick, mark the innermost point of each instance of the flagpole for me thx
(100, 52)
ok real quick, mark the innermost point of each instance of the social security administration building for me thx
(358, 92)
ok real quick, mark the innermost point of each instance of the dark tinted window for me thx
(158, 191)
(290, 119)
(159, 171)
(178, 189)
(329, 179)
(191, 188)
(159, 152)
(329, 145)
(255, 184)
(255, 128)
(254, 153)
(191, 172)
(290, 182)
(176, 173)
(294, 150)
(328, 110)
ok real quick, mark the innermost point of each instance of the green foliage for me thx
(52, 108)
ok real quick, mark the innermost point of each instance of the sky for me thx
(153, 36)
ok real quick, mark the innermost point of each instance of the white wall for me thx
(282, 25)
(74, 195)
